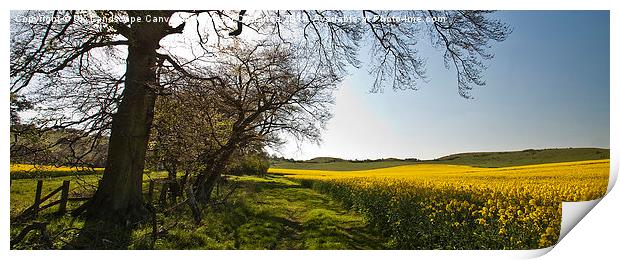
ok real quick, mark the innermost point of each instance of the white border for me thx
(595, 235)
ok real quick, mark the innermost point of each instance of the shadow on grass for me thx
(277, 215)
(101, 235)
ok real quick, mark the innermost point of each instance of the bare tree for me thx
(266, 88)
(184, 127)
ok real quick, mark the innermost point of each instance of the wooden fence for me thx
(39, 201)
(168, 192)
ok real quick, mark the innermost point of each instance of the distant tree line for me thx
(34, 144)
(276, 159)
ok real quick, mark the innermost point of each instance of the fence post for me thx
(174, 191)
(162, 195)
(150, 194)
(37, 198)
(64, 196)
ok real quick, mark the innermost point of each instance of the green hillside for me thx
(525, 157)
(477, 159)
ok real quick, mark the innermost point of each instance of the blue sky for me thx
(548, 86)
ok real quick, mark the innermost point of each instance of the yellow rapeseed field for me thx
(30, 167)
(20, 171)
(427, 206)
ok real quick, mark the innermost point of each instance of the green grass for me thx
(477, 159)
(268, 212)
(271, 213)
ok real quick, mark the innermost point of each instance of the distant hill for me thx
(525, 157)
(338, 164)
(477, 159)
(324, 160)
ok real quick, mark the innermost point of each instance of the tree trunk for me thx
(184, 179)
(174, 186)
(207, 180)
(205, 190)
(193, 205)
(119, 197)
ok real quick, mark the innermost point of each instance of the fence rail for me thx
(167, 192)
(38, 206)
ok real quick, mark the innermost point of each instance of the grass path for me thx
(275, 213)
